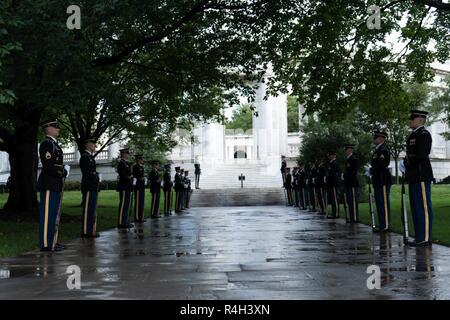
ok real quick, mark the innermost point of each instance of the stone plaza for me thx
(269, 252)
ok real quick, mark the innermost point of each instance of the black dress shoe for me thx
(125, 226)
(46, 250)
(332, 217)
(61, 246)
(154, 217)
(419, 244)
(140, 221)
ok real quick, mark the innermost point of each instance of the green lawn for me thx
(16, 237)
(20, 237)
(440, 195)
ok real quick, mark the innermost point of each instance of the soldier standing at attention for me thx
(283, 169)
(419, 175)
(155, 190)
(178, 185)
(381, 180)
(50, 185)
(188, 188)
(124, 187)
(351, 183)
(311, 187)
(182, 190)
(302, 186)
(288, 186)
(89, 188)
(295, 176)
(320, 186)
(139, 188)
(332, 184)
(167, 188)
(197, 172)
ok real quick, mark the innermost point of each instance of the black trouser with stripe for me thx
(351, 196)
(124, 206)
(154, 208)
(139, 202)
(320, 192)
(289, 196)
(333, 201)
(167, 202)
(89, 226)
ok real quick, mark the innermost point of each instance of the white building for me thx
(225, 154)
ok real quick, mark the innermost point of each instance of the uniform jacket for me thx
(417, 162)
(302, 179)
(53, 172)
(320, 177)
(155, 183)
(288, 182)
(295, 180)
(167, 181)
(283, 166)
(89, 180)
(178, 186)
(187, 183)
(138, 174)
(332, 174)
(351, 172)
(125, 176)
(197, 169)
(312, 177)
(381, 158)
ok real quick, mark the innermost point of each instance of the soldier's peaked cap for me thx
(418, 114)
(377, 133)
(167, 166)
(125, 150)
(186, 172)
(349, 145)
(50, 123)
(177, 168)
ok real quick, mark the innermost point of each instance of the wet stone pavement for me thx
(272, 252)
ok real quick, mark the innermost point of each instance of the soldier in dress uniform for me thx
(283, 169)
(139, 188)
(288, 186)
(311, 188)
(295, 188)
(182, 190)
(332, 185)
(167, 188)
(419, 175)
(90, 183)
(351, 183)
(381, 180)
(197, 172)
(320, 186)
(302, 186)
(187, 188)
(155, 190)
(125, 188)
(50, 185)
(178, 186)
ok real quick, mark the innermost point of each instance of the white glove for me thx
(402, 166)
(67, 168)
(100, 177)
(367, 172)
(145, 181)
(342, 177)
(134, 181)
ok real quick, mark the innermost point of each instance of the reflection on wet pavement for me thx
(233, 253)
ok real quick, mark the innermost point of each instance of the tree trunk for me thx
(23, 159)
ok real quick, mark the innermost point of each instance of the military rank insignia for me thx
(48, 155)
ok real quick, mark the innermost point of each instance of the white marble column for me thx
(269, 127)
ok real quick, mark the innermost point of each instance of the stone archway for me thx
(239, 154)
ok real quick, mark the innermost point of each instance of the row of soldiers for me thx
(320, 186)
(132, 182)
